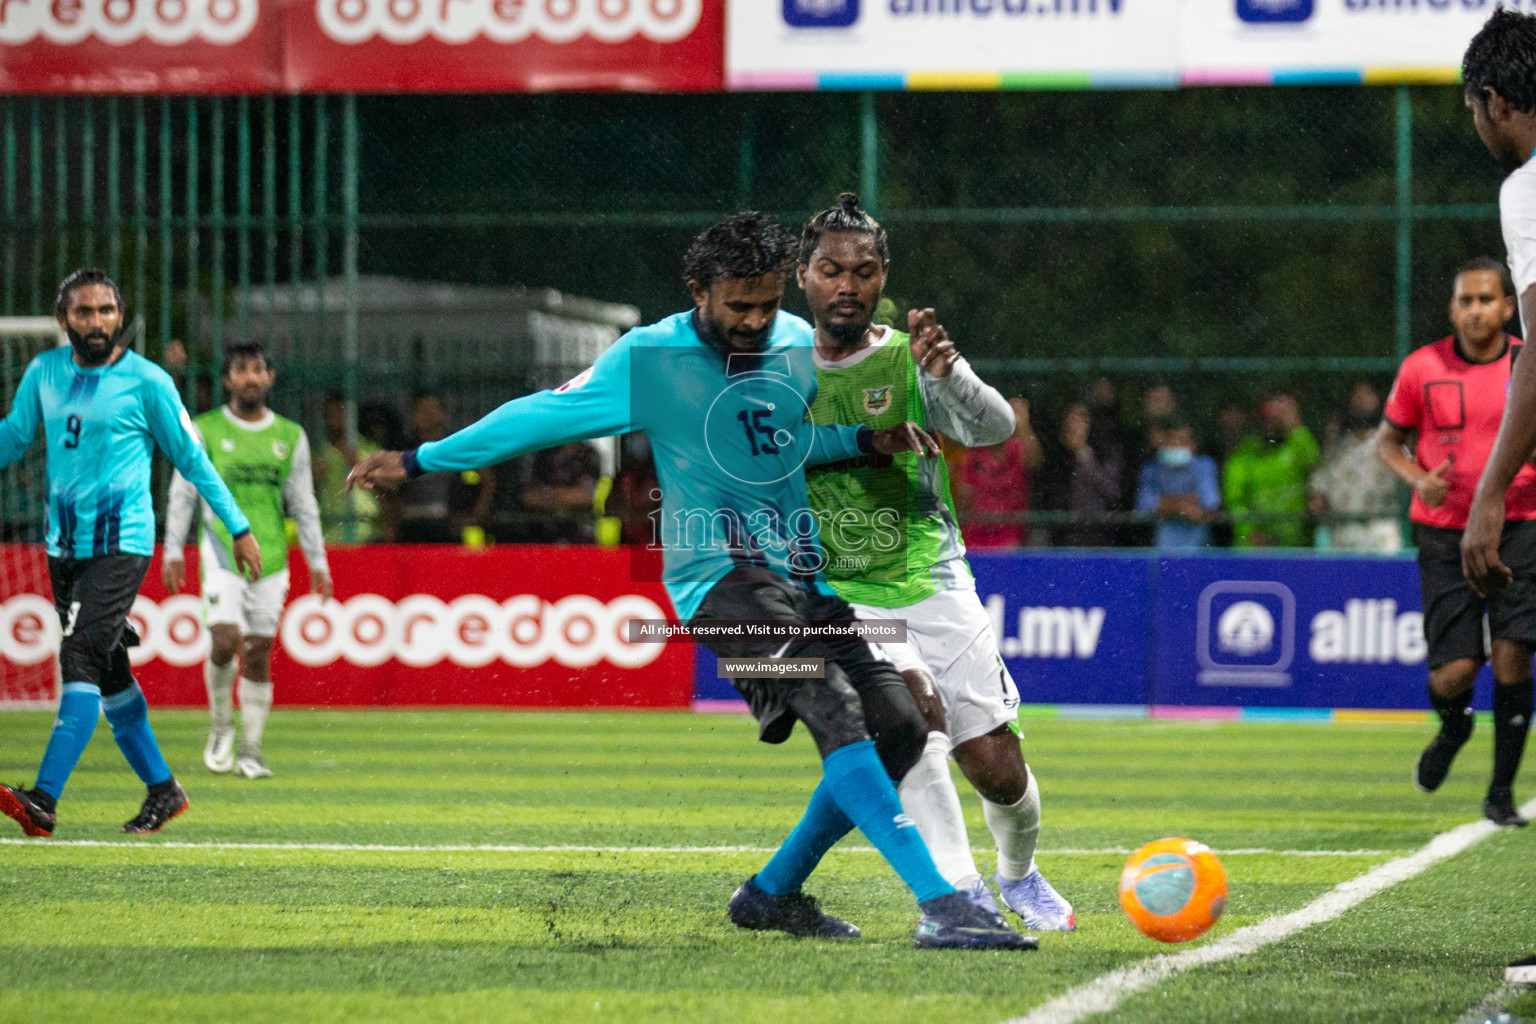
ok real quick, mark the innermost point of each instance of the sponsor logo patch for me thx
(877, 400)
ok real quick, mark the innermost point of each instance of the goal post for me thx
(29, 627)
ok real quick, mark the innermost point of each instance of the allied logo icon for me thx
(821, 13)
(1270, 12)
(1246, 633)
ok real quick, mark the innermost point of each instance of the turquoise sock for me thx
(857, 781)
(128, 714)
(72, 729)
(823, 824)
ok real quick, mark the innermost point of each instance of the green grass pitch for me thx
(231, 927)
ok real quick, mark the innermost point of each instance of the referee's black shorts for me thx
(862, 697)
(93, 597)
(1453, 611)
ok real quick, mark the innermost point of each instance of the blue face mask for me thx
(1175, 458)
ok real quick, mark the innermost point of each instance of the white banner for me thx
(991, 44)
(949, 43)
(1265, 41)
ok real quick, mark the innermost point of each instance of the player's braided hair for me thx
(743, 246)
(1502, 57)
(846, 218)
(242, 350)
(79, 279)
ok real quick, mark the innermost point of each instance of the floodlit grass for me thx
(143, 930)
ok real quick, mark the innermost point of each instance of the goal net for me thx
(29, 627)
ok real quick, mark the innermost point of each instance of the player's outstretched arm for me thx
(299, 497)
(173, 431)
(19, 427)
(596, 403)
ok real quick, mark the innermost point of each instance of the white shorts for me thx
(950, 635)
(230, 600)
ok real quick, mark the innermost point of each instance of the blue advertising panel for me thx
(1072, 627)
(1228, 630)
(1296, 632)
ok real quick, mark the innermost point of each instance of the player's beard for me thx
(734, 341)
(94, 348)
(846, 333)
(245, 404)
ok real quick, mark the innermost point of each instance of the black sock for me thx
(1455, 712)
(163, 787)
(1511, 721)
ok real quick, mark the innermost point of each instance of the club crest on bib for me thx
(227, 444)
(280, 449)
(877, 400)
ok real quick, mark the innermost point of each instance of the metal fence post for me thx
(869, 163)
(1404, 221)
(349, 205)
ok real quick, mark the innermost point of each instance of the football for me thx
(1173, 889)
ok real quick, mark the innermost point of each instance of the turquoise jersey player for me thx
(102, 410)
(724, 393)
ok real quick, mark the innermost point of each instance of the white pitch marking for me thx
(1493, 1003)
(1107, 991)
(492, 848)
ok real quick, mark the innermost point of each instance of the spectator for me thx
(1158, 406)
(636, 493)
(564, 482)
(439, 508)
(379, 425)
(1352, 481)
(1267, 476)
(340, 508)
(1088, 484)
(1180, 487)
(1231, 428)
(1114, 441)
(995, 484)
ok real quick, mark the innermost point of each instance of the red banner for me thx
(141, 46)
(246, 46)
(512, 626)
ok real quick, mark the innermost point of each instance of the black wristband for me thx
(411, 463)
(243, 533)
(865, 438)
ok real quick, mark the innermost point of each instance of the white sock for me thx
(928, 797)
(1015, 827)
(220, 680)
(255, 702)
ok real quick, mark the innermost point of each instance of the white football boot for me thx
(219, 754)
(251, 765)
(1041, 907)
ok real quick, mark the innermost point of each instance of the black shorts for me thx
(93, 597)
(862, 696)
(1453, 612)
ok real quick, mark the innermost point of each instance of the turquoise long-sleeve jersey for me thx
(101, 426)
(730, 433)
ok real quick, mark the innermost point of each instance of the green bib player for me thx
(893, 551)
(265, 461)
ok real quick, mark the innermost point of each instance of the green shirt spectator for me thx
(338, 506)
(1268, 473)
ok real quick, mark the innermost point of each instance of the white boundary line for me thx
(492, 848)
(1493, 1003)
(1107, 991)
